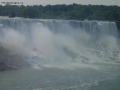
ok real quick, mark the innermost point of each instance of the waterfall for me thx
(52, 42)
(94, 28)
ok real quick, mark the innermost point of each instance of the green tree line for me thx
(63, 11)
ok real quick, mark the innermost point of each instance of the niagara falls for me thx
(59, 45)
(59, 51)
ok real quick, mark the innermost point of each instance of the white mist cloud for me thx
(13, 41)
(110, 42)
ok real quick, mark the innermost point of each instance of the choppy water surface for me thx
(95, 77)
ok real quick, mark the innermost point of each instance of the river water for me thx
(87, 77)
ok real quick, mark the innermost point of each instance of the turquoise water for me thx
(93, 77)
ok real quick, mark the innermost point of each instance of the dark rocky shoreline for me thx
(11, 62)
(118, 27)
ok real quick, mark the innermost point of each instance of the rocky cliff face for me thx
(118, 27)
(118, 24)
(11, 62)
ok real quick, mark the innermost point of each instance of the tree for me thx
(30, 12)
(72, 11)
(12, 14)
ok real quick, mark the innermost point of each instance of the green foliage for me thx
(12, 14)
(72, 11)
(30, 12)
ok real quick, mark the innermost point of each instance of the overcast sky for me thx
(52, 2)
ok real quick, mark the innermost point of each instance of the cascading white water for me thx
(60, 42)
(79, 55)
